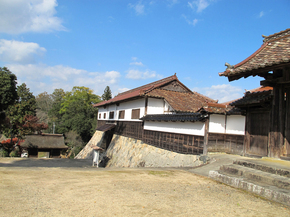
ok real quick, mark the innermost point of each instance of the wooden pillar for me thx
(146, 104)
(277, 125)
(205, 142)
(247, 133)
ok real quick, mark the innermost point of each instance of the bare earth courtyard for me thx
(49, 191)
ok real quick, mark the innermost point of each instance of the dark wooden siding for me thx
(180, 143)
(130, 129)
(258, 124)
(232, 144)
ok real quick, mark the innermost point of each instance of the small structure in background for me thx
(44, 145)
(96, 155)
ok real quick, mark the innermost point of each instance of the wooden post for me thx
(146, 104)
(206, 127)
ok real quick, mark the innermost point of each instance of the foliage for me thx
(18, 114)
(9, 144)
(74, 143)
(77, 112)
(8, 93)
(44, 103)
(107, 94)
(53, 114)
(3, 153)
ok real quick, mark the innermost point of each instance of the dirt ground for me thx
(37, 191)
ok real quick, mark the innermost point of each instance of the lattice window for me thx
(104, 115)
(135, 114)
(122, 114)
(111, 115)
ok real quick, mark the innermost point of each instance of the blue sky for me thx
(124, 44)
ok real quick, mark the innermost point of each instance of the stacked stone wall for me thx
(87, 151)
(129, 152)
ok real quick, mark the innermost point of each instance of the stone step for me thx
(272, 169)
(257, 176)
(261, 189)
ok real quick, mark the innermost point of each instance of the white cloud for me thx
(18, 16)
(198, 5)
(193, 22)
(138, 7)
(19, 52)
(221, 92)
(172, 2)
(136, 74)
(121, 90)
(40, 78)
(137, 63)
(261, 14)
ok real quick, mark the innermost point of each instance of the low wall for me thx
(129, 152)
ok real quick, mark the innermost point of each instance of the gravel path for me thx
(39, 191)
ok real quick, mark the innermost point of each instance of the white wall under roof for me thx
(155, 106)
(235, 124)
(230, 124)
(191, 128)
(126, 106)
(217, 123)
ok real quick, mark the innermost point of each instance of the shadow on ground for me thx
(20, 162)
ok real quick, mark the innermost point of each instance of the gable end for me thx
(175, 86)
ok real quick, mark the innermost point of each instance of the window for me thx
(135, 114)
(111, 115)
(122, 114)
(100, 116)
(104, 115)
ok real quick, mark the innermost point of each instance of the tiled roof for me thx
(217, 108)
(187, 101)
(176, 117)
(256, 96)
(139, 91)
(274, 51)
(181, 102)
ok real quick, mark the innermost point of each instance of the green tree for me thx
(77, 112)
(44, 103)
(107, 94)
(21, 116)
(54, 114)
(16, 114)
(8, 92)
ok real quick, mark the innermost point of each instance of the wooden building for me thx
(44, 145)
(268, 115)
(168, 115)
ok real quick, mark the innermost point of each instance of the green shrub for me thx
(14, 153)
(3, 153)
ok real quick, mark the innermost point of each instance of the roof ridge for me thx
(276, 35)
(172, 77)
(206, 97)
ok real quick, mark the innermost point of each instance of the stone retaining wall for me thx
(87, 151)
(129, 152)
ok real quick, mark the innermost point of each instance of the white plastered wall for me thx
(155, 106)
(230, 124)
(236, 124)
(217, 123)
(126, 106)
(191, 128)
